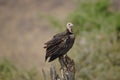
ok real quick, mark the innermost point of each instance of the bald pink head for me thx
(69, 26)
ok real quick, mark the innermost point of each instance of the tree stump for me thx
(67, 69)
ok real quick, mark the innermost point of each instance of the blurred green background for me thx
(25, 25)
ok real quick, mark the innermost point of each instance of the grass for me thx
(9, 72)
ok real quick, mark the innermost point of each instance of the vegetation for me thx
(97, 48)
(9, 72)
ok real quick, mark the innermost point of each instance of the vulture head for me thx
(69, 27)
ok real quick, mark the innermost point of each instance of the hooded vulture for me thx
(60, 44)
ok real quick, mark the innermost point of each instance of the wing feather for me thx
(55, 48)
(58, 53)
(58, 46)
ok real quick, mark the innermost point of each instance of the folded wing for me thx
(58, 46)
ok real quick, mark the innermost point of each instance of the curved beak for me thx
(70, 29)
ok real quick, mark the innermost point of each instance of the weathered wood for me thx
(53, 74)
(67, 69)
(44, 75)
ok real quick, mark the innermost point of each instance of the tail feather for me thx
(51, 51)
(52, 58)
(46, 57)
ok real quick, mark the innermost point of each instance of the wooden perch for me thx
(44, 75)
(53, 74)
(67, 69)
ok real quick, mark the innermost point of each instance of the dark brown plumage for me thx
(60, 44)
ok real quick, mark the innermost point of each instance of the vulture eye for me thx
(69, 24)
